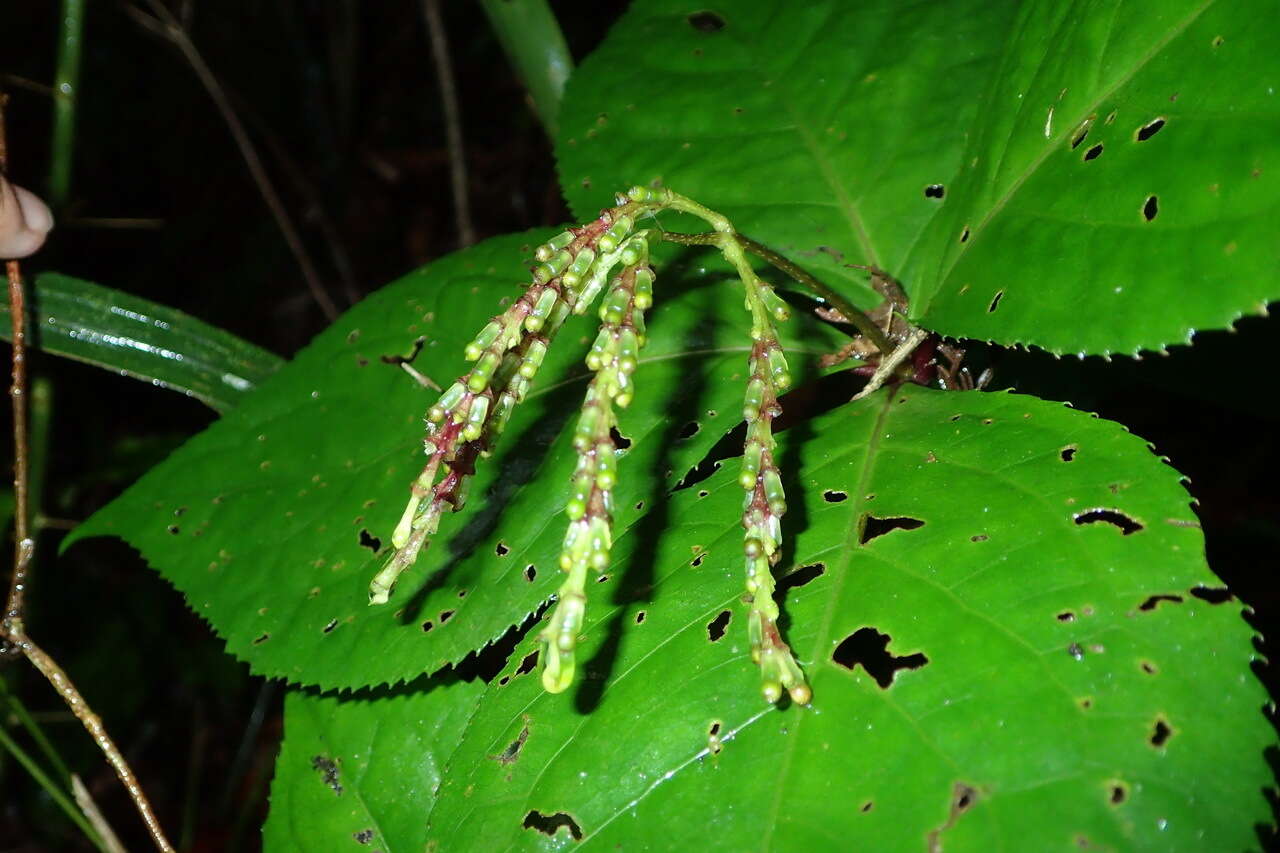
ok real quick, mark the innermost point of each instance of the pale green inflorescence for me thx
(589, 538)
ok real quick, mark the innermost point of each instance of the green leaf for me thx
(879, 136)
(363, 770)
(1015, 666)
(136, 337)
(260, 520)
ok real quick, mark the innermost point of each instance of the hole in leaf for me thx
(602, 578)
(1110, 516)
(1150, 603)
(620, 441)
(1151, 208)
(964, 235)
(502, 550)
(870, 648)
(1085, 703)
(801, 576)
(716, 627)
(530, 572)
(462, 593)
(639, 506)
(262, 639)
(1148, 667)
(364, 836)
(978, 537)
(1217, 41)
(873, 526)
(368, 540)
(1160, 733)
(867, 806)
(427, 626)
(935, 191)
(706, 21)
(551, 824)
(1092, 153)
(406, 359)
(528, 663)
(1066, 616)
(1081, 132)
(1069, 452)
(1119, 793)
(831, 496)
(688, 431)
(702, 493)
(445, 616)
(640, 616)
(995, 302)
(697, 561)
(333, 623)
(173, 529)
(1150, 129)
(328, 770)
(714, 730)
(1212, 594)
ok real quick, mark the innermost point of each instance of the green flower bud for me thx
(476, 416)
(773, 492)
(750, 466)
(502, 409)
(548, 249)
(635, 249)
(404, 529)
(614, 308)
(483, 341)
(533, 359)
(558, 671)
(628, 349)
(774, 304)
(644, 289)
(615, 234)
(579, 268)
(590, 290)
(606, 466)
(778, 369)
(482, 372)
(601, 350)
(754, 399)
(541, 309)
(559, 312)
(448, 401)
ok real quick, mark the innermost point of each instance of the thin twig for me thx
(12, 631)
(857, 318)
(84, 800)
(164, 24)
(453, 122)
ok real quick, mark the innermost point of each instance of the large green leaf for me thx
(136, 337)
(363, 770)
(264, 520)
(1044, 663)
(888, 133)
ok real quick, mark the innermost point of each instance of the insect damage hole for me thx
(329, 626)
(935, 191)
(1068, 453)
(1151, 602)
(995, 302)
(1093, 153)
(620, 441)
(512, 752)
(1126, 525)
(368, 540)
(870, 648)
(530, 572)
(688, 431)
(706, 21)
(1151, 208)
(1117, 792)
(1149, 129)
(552, 823)
(716, 627)
(801, 576)
(873, 526)
(1160, 733)
(1212, 594)
(832, 496)
(501, 549)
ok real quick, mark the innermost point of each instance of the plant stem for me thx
(856, 317)
(66, 83)
(531, 38)
(51, 788)
(452, 121)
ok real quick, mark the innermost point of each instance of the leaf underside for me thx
(268, 522)
(946, 143)
(1001, 604)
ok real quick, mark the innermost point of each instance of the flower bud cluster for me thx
(589, 538)
(765, 503)
(471, 414)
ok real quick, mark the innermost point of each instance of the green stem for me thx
(66, 84)
(37, 734)
(55, 793)
(533, 42)
(855, 316)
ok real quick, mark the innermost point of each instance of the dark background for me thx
(341, 100)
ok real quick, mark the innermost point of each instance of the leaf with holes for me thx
(342, 777)
(1085, 177)
(269, 521)
(1002, 606)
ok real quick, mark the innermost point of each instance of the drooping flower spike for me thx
(573, 269)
